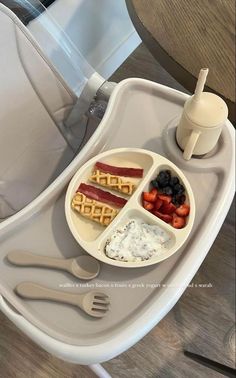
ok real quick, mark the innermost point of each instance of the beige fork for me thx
(94, 303)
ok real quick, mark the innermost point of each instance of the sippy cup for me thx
(202, 120)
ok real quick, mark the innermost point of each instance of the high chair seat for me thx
(34, 100)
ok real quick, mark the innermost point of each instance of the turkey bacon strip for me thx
(101, 195)
(119, 171)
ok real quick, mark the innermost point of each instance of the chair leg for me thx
(99, 371)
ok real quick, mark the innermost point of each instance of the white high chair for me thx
(44, 111)
(44, 139)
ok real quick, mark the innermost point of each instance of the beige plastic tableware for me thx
(83, 267)
(94, 303)
(201, 123)
(93, 237)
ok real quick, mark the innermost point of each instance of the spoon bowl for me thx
(85, 267)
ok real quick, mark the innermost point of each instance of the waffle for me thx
(112, 182)
(94, 210)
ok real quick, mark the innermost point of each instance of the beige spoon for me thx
(93, 303)
(83, 267)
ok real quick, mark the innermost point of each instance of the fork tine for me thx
(100, 296)
(97, 314)
(101, 305)
(98, 307)
(101, 301)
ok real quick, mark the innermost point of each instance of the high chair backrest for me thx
(33, 100)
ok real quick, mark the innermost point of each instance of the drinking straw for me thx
(200, 83)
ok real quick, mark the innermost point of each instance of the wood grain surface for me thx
(203, 321)
(187, 35)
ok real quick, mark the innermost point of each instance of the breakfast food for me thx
(100, 195)
(167, 199)
(119, 171)
(171, 186)
(114, 177)
(112, 182)
(94, 210)
(136, 241)
(91, 202)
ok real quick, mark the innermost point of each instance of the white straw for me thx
(200, 83)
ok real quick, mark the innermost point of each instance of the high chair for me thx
(46, 135)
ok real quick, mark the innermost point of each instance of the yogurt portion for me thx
(136, 241)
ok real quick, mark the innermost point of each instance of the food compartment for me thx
(121, 158)
(129, 158)
(166, 195)
(86, 229)
(138, 234)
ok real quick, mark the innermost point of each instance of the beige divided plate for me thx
(93, 236)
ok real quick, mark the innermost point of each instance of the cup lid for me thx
(209, 111)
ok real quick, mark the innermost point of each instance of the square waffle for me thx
(112, 182)
(94, 210)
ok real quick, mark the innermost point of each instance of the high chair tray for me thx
(140, 114)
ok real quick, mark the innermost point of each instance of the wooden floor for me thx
(203, 321)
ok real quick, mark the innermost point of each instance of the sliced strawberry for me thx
(158, 203)
(183, 210)
(154, 191)
(150, 196)
(148, 205)
(178, 222)
(165, 217)
(167, 208)
(165, 198)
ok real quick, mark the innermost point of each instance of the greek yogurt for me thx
(136, 241)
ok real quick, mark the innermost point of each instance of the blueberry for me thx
(155, 184)
(182, 199)
(173, 181)
(174, 201)
(161, 175)
(163, 178)
(179, 199)
(167, 190)
(179, 189)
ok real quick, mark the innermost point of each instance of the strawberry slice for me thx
(183, 210)
(165, 217)
(165, 198)
(150, 196)
(158, 203)
(154, 190)
(148, 205)
(178, 222)
(167, 208)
